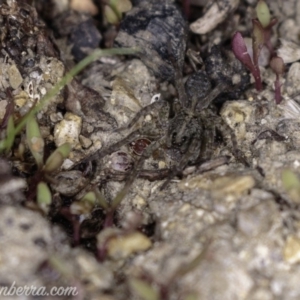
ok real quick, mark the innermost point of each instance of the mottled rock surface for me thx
(226, 224)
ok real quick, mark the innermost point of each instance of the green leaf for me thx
(191, 296)
(64, 149)
(189, 267)
(35, 141)
(81, 208)
(113, 4)
(60, 265)
(290, 179)
(56, 159)
(119, 197)
(263, 13)
(111, 16)
(291, 184)
(89, 197)
(44, 197)
(143, 289)
(10, 135)
(2, 145)
(114, 9)
(121, 5)
(54, 162)
(100, 199)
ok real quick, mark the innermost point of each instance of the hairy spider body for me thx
(185, 130)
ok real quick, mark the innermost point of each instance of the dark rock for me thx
(81, 31)
(160, 32)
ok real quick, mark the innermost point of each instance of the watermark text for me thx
(26, 290)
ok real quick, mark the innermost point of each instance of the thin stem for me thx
(68, 78)
(257, 78)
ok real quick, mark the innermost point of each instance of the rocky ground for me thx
(214, 215)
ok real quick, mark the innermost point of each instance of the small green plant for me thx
(10, 128)
(35, 141)
(7, 123)
(13, 128)
(114, 9)
(148, 288)
(291, 184)
(7, 143)
(44, 170)
(277, 65)
(81, 210)
(261, 35)
(44, 196)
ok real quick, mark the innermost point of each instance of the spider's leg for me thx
(209, 98)
(207, 146)
(212, 164)
(113, 148)
(177, 59)
(238, 154)
(137, 169)
(183, 99)
(228, 131)
(192, 151)
(155, 106)
(151, 175)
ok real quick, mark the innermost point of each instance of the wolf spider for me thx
(191, 131)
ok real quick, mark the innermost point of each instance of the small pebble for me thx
(235, 185)
(85, 142)
(125, 245)
(291, 250)
(214, 16)
(15, 78)
(68, 130)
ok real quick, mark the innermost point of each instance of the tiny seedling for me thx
(148, 288)
(113, 10)
(241, 53)
(81, 210)
(261, 35)
(44, 196)
(291, 184)
(9, 110)
(44, 170)
(277, 65)
(11, 128)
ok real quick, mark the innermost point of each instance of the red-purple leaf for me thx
(240, 51)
